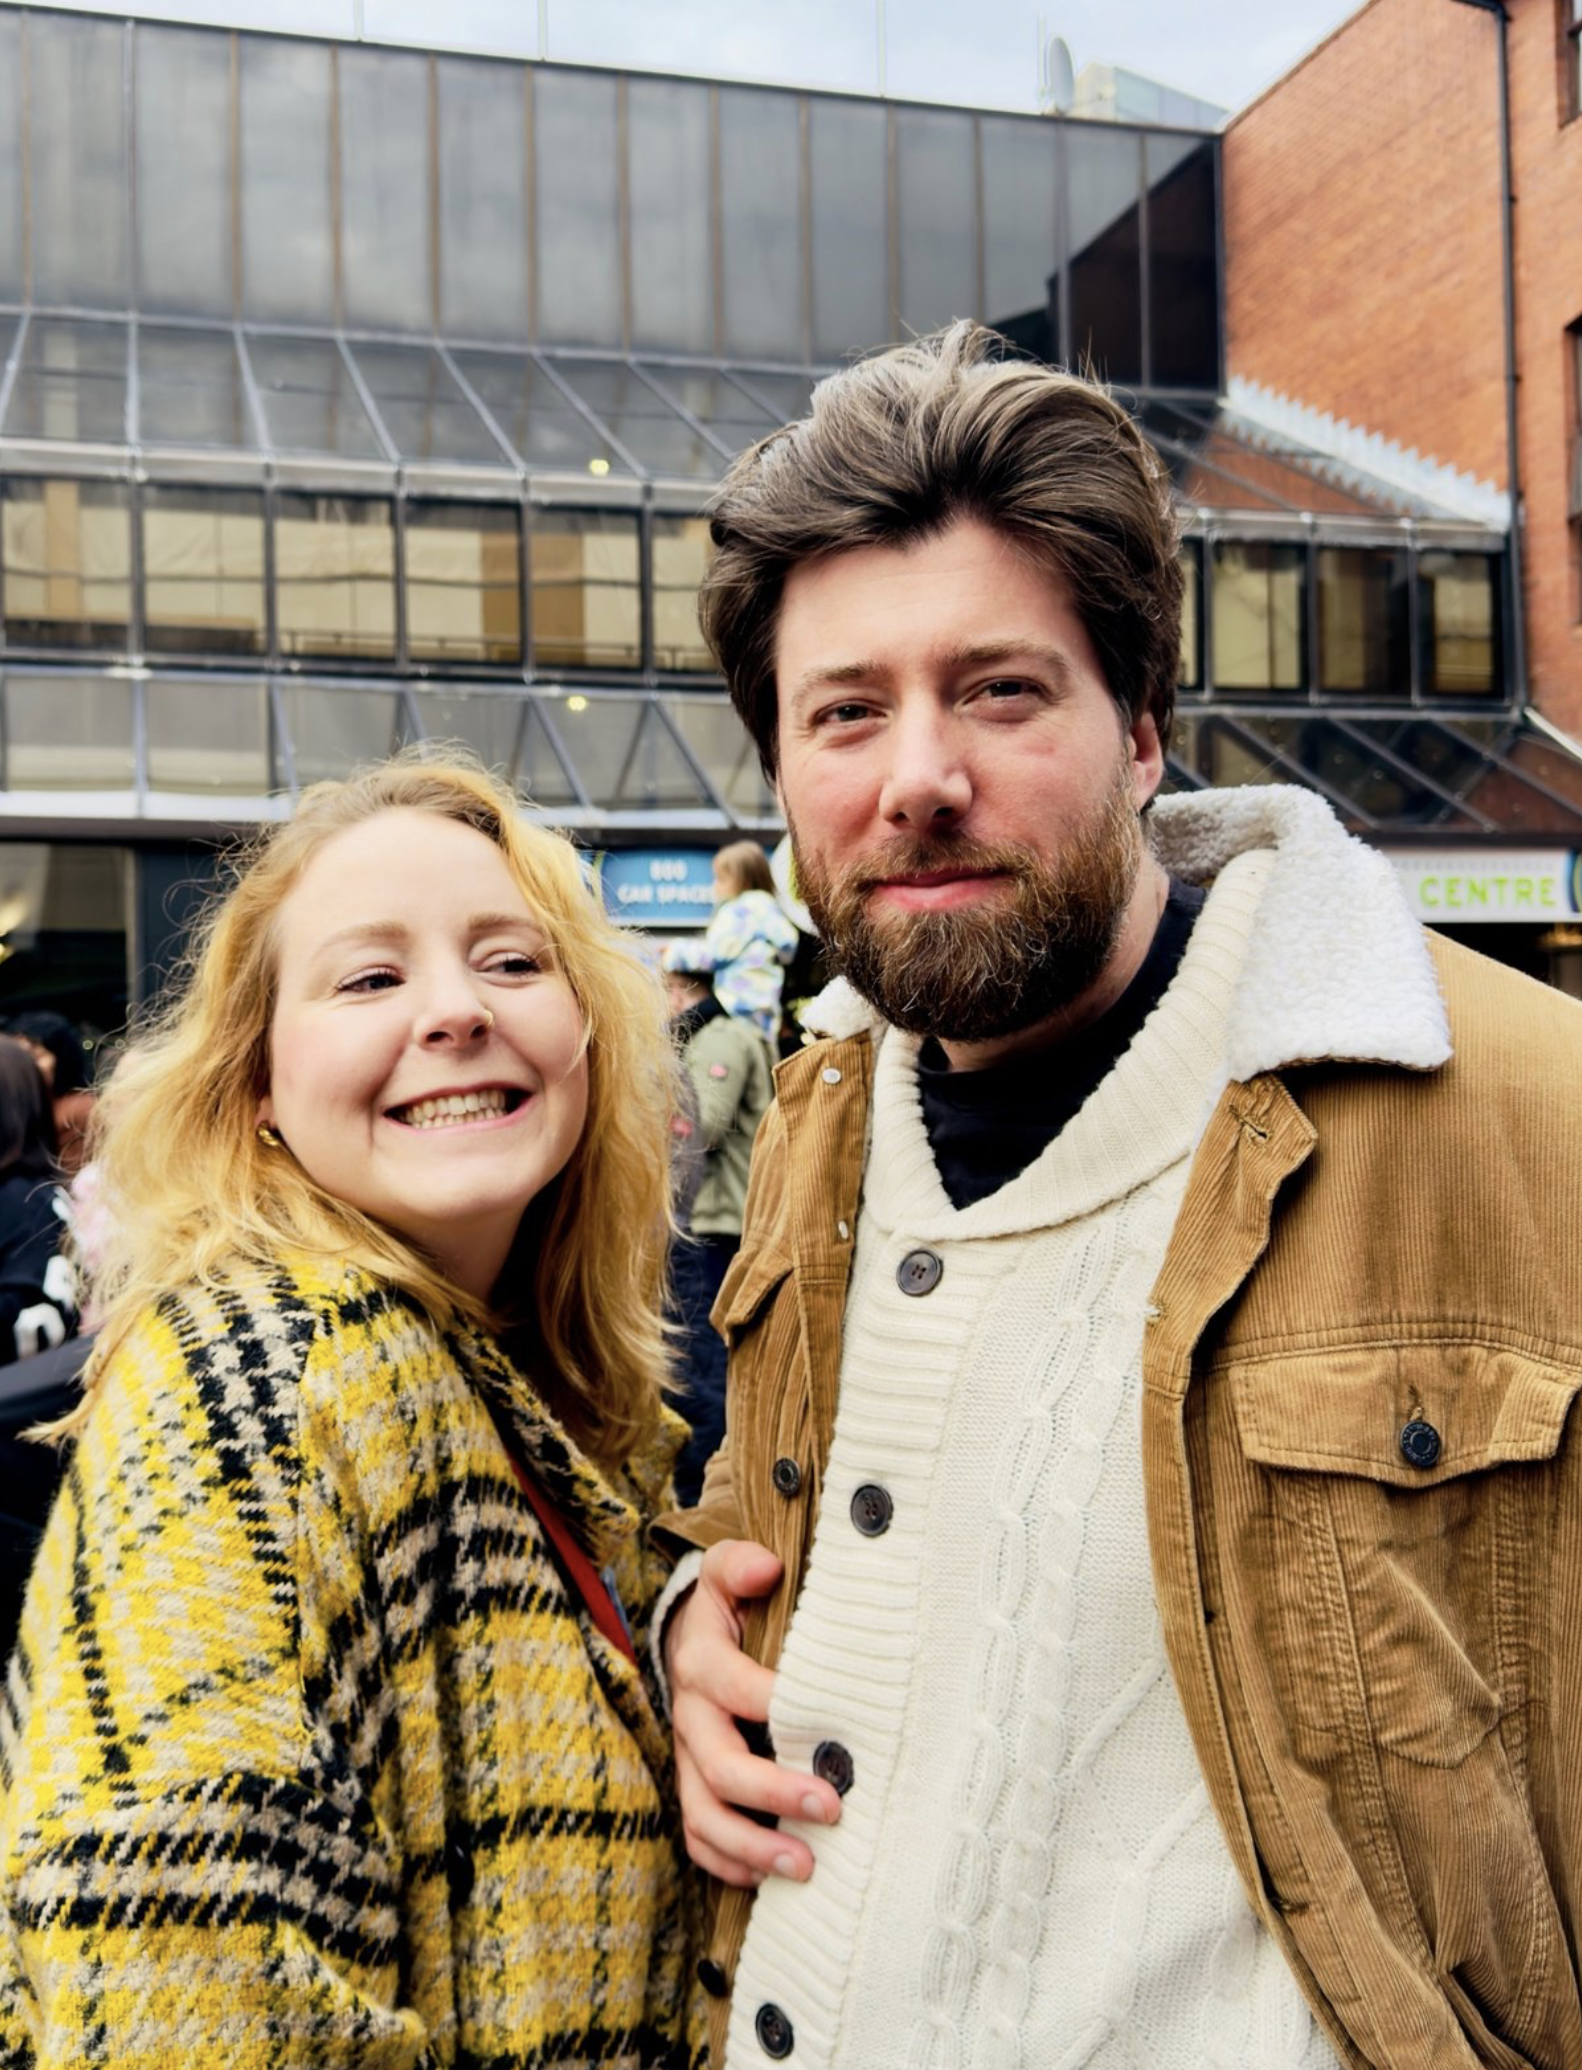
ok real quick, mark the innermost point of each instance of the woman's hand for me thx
(714, 1687)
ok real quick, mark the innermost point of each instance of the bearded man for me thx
(1132, 1619)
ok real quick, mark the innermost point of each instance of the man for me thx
(727, 1065)
(1149, 1524)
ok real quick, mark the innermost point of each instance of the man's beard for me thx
(973, 973)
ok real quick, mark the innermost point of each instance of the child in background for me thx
(749, 941)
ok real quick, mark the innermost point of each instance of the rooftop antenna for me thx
(1057, 78)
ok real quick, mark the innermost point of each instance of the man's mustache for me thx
(911, 856)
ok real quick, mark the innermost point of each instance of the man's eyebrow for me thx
(975, 654)
(836, 675)
(1054, 661)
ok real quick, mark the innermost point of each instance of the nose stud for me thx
(488, 1019)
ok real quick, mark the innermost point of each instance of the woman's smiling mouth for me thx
(448, 1110)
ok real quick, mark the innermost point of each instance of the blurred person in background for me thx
(748, 943)
(37, 1284)
(728, 1072)
(58, 1051)
(325, 1741)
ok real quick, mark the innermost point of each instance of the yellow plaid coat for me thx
(310, 1756)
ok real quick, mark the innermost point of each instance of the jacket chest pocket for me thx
(1390, 1545)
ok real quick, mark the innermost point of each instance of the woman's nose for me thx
(457, 1015)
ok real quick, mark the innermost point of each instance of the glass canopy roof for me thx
(1393, 775)
(212, 748)
(384, 401)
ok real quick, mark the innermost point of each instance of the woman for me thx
(326, 1744)
(57, 1050)
(748, 943)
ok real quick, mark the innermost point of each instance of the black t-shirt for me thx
(985, 1127)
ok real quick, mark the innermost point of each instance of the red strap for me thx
(590, 1583)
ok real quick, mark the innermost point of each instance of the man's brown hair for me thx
(898, 447)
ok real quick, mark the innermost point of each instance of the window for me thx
(203, 571)
(1362, 621)
(1191, 631)
(463, 583)
(66, 549)
(681, 552)
(208, 736)
(68, 733)
(1104, 179)
(335, 577)
(587, 589)
(1259, 630)
(1459, 624)
(761, 223)
(1183, 286)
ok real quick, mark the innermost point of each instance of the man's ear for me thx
(1147, 758)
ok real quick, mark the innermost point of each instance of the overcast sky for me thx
(979, 52)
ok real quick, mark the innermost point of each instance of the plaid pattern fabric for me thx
(310, 1756)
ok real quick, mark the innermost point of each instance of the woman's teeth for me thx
(451, 1107)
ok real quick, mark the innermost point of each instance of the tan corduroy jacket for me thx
(1364, 1500)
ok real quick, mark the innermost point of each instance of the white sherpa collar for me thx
(1338, 968)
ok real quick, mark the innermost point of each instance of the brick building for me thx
(1364, 275)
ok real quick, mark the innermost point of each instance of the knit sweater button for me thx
(774, 2032)
(832, 1763)
(787, 1476)
(919, 1272)
(1420, 1444)
(713, 1978)
(872, 1509)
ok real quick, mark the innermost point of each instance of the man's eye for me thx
(847, 714)
(1005, 687)
(369, 981)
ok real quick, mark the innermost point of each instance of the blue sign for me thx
(658, 887)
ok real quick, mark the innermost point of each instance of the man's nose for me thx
(927, 783)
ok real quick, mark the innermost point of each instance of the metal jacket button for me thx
(774, 2032)
(872, 1509)
(713, 1978)
(833, 1764)
(1420, 1443)
(787, 1476)
(918, 1272)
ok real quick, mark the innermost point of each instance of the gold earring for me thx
(268, 1138)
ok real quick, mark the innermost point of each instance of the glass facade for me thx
(352, 395)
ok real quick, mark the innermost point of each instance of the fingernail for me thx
(813, 1808)
(785, 1866)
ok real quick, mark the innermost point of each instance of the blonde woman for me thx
(325, 1742)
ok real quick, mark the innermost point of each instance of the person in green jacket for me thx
(728, 1073)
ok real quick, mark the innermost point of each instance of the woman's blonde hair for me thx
(190, 1189)
(744, 867)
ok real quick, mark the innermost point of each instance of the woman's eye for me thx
(514, 963)
(369, 981)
